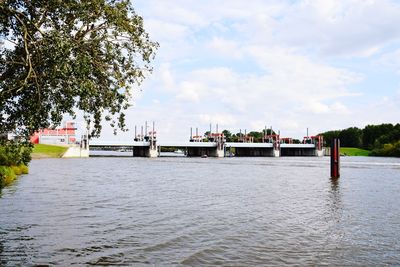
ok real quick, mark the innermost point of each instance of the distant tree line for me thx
(382, 140)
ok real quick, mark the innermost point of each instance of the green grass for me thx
(48, 151)
(352, 151)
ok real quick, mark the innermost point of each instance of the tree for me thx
(69, 55)
(256, 135)
(329, 136)
(228, 135)
(351, 137)
(371, 134)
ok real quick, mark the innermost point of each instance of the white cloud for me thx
(227, 48)
(390, 60)
(339, 108)
(223, 119)
(247, 64)
(355, 27)
(167, 77)
(164, 30)
(190, 91)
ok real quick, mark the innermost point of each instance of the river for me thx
(193, 211)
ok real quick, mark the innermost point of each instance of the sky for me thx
(292, 65)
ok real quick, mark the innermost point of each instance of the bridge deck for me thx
(196, 144)
(118, 144)
(187, 144)
(297, 145)
(249, 145)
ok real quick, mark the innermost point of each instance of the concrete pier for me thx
(144, 151)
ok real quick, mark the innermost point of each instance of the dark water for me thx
(186, 211)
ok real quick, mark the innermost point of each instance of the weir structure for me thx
(145, 143)
(214, 144)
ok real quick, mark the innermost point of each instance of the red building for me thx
(58, 136)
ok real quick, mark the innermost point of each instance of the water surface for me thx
(192, 211)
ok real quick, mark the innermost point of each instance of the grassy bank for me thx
(9, 173)
(352, 151)
(48, 151)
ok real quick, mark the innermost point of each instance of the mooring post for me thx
(335, 158)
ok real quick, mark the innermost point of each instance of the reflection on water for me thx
(180, 211)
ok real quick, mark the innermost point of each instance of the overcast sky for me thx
(290, 64)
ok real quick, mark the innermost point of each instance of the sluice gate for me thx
(145, 144)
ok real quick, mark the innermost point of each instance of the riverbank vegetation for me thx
(14, 158)
(380, 140)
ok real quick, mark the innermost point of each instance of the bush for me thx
(14, 157)
(2, 178)
(388, 150)
(7, 174)
(24, 169)
(16, 170)
(15, 153)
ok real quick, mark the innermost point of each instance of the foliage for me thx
(375, 135)
(14, 156)
(350, 137)
(382, 139)
(9, 173)
(48, 151)
(7, 176)
(14, 152)
(329, 136)
(388, 150)
(2, 177)
(66, 56)
(231, 137)
(168, 149)
(257, 136)
(227, 134)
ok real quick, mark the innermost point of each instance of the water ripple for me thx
(202, 212)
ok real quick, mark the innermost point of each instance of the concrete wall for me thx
(76, 152)
(200, 151)
(140, 151)
(298, 152)
(254, 152)
(205, 151)
(144, 151)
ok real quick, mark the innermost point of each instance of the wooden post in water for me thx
(335, 158)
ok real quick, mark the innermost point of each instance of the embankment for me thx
(48, 151)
